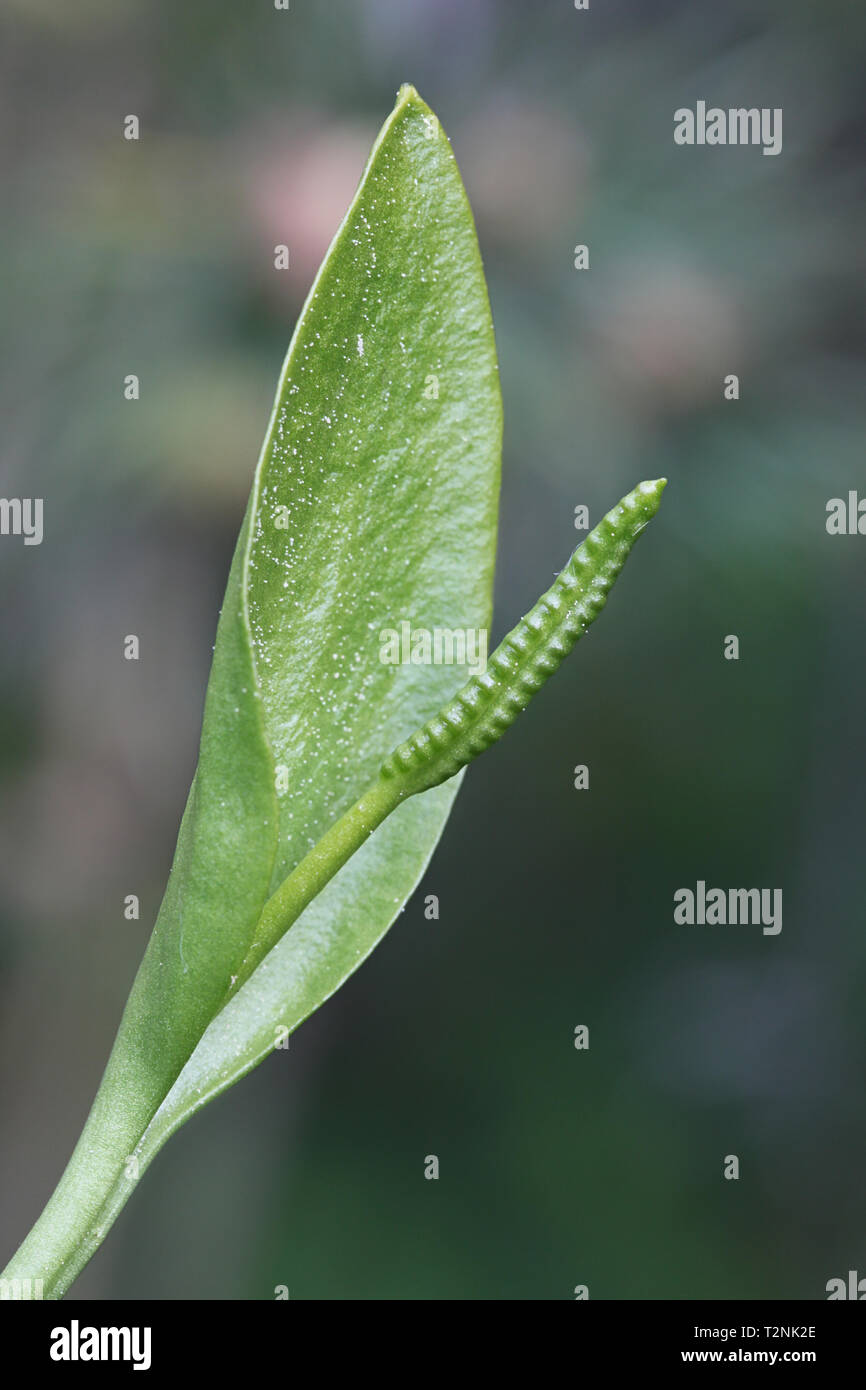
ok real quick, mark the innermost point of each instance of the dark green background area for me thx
(557, 1167)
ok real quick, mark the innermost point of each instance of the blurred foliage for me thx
(557, 1167)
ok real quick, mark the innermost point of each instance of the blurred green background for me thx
(558, 1167)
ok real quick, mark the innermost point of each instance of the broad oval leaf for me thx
(374, 504)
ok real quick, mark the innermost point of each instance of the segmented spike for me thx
(488, 704)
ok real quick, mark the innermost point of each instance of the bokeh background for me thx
(558, 1167)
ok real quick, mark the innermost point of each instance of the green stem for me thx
(95, 1186)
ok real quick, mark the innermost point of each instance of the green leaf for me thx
(374, 503)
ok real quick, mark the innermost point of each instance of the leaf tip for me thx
(408, 96)
(407, 93)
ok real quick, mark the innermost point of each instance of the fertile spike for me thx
(488, 704)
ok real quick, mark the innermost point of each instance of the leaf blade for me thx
(421, 294)
(395, 341)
